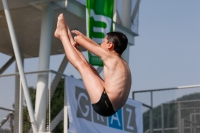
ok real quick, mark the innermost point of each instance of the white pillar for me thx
(126, 22)
(116, 17)
(19, 63)
(126, 13)
(44, 59)
(66, 122)
(18, 115)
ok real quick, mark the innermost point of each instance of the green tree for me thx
(26, 119)
(170, 112)
(57, 104)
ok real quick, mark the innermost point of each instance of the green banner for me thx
(99, 22)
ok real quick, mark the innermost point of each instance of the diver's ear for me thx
(110, 46)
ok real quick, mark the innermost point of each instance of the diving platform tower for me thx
(26, 31)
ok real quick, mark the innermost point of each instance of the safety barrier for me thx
(170, 110)
(14, 115)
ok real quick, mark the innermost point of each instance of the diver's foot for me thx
(61, 27)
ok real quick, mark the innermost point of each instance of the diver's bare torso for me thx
(117, 77)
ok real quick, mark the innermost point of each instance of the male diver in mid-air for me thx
(109, 94)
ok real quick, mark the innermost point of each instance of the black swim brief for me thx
(104, 106)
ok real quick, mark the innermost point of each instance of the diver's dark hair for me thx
(119, 40)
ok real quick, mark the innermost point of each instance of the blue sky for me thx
(166, 52)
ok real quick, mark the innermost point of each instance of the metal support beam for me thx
(58, 77)
(18, 115)
(126, 13)
(179, 117)
(151, 114)
(44, 59)
(11, 122)
(135, 10)
(116, 17)
(99, 69)
(19, 64)
(162, 117)
(75, 8)
(66, 122)
(20, 108)
(126, 22)
(46, 37)
(57, 119)
(7, 64)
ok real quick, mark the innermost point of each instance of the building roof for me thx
(27, 17)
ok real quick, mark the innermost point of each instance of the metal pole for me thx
(191, 124)
(44, 59)
(8, 63)
(66, 122)
(135, 10)
(99, 69)
(20, 108)
(17, 95)
(58, 76)
(19, 64)
(195, 121)
(11, 122)
(162, 118)
(151, 114)
(182, 125)
(133, 95)
(57, 119)
(179, 117)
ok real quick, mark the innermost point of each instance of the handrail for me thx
(6, 118)
(32, 72)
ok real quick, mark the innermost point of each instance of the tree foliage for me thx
(170, 112)
(56, 105)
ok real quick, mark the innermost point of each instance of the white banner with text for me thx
(83, 119)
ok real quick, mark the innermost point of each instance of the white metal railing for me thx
(157, 98)
(7, 92)
(8, 118)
